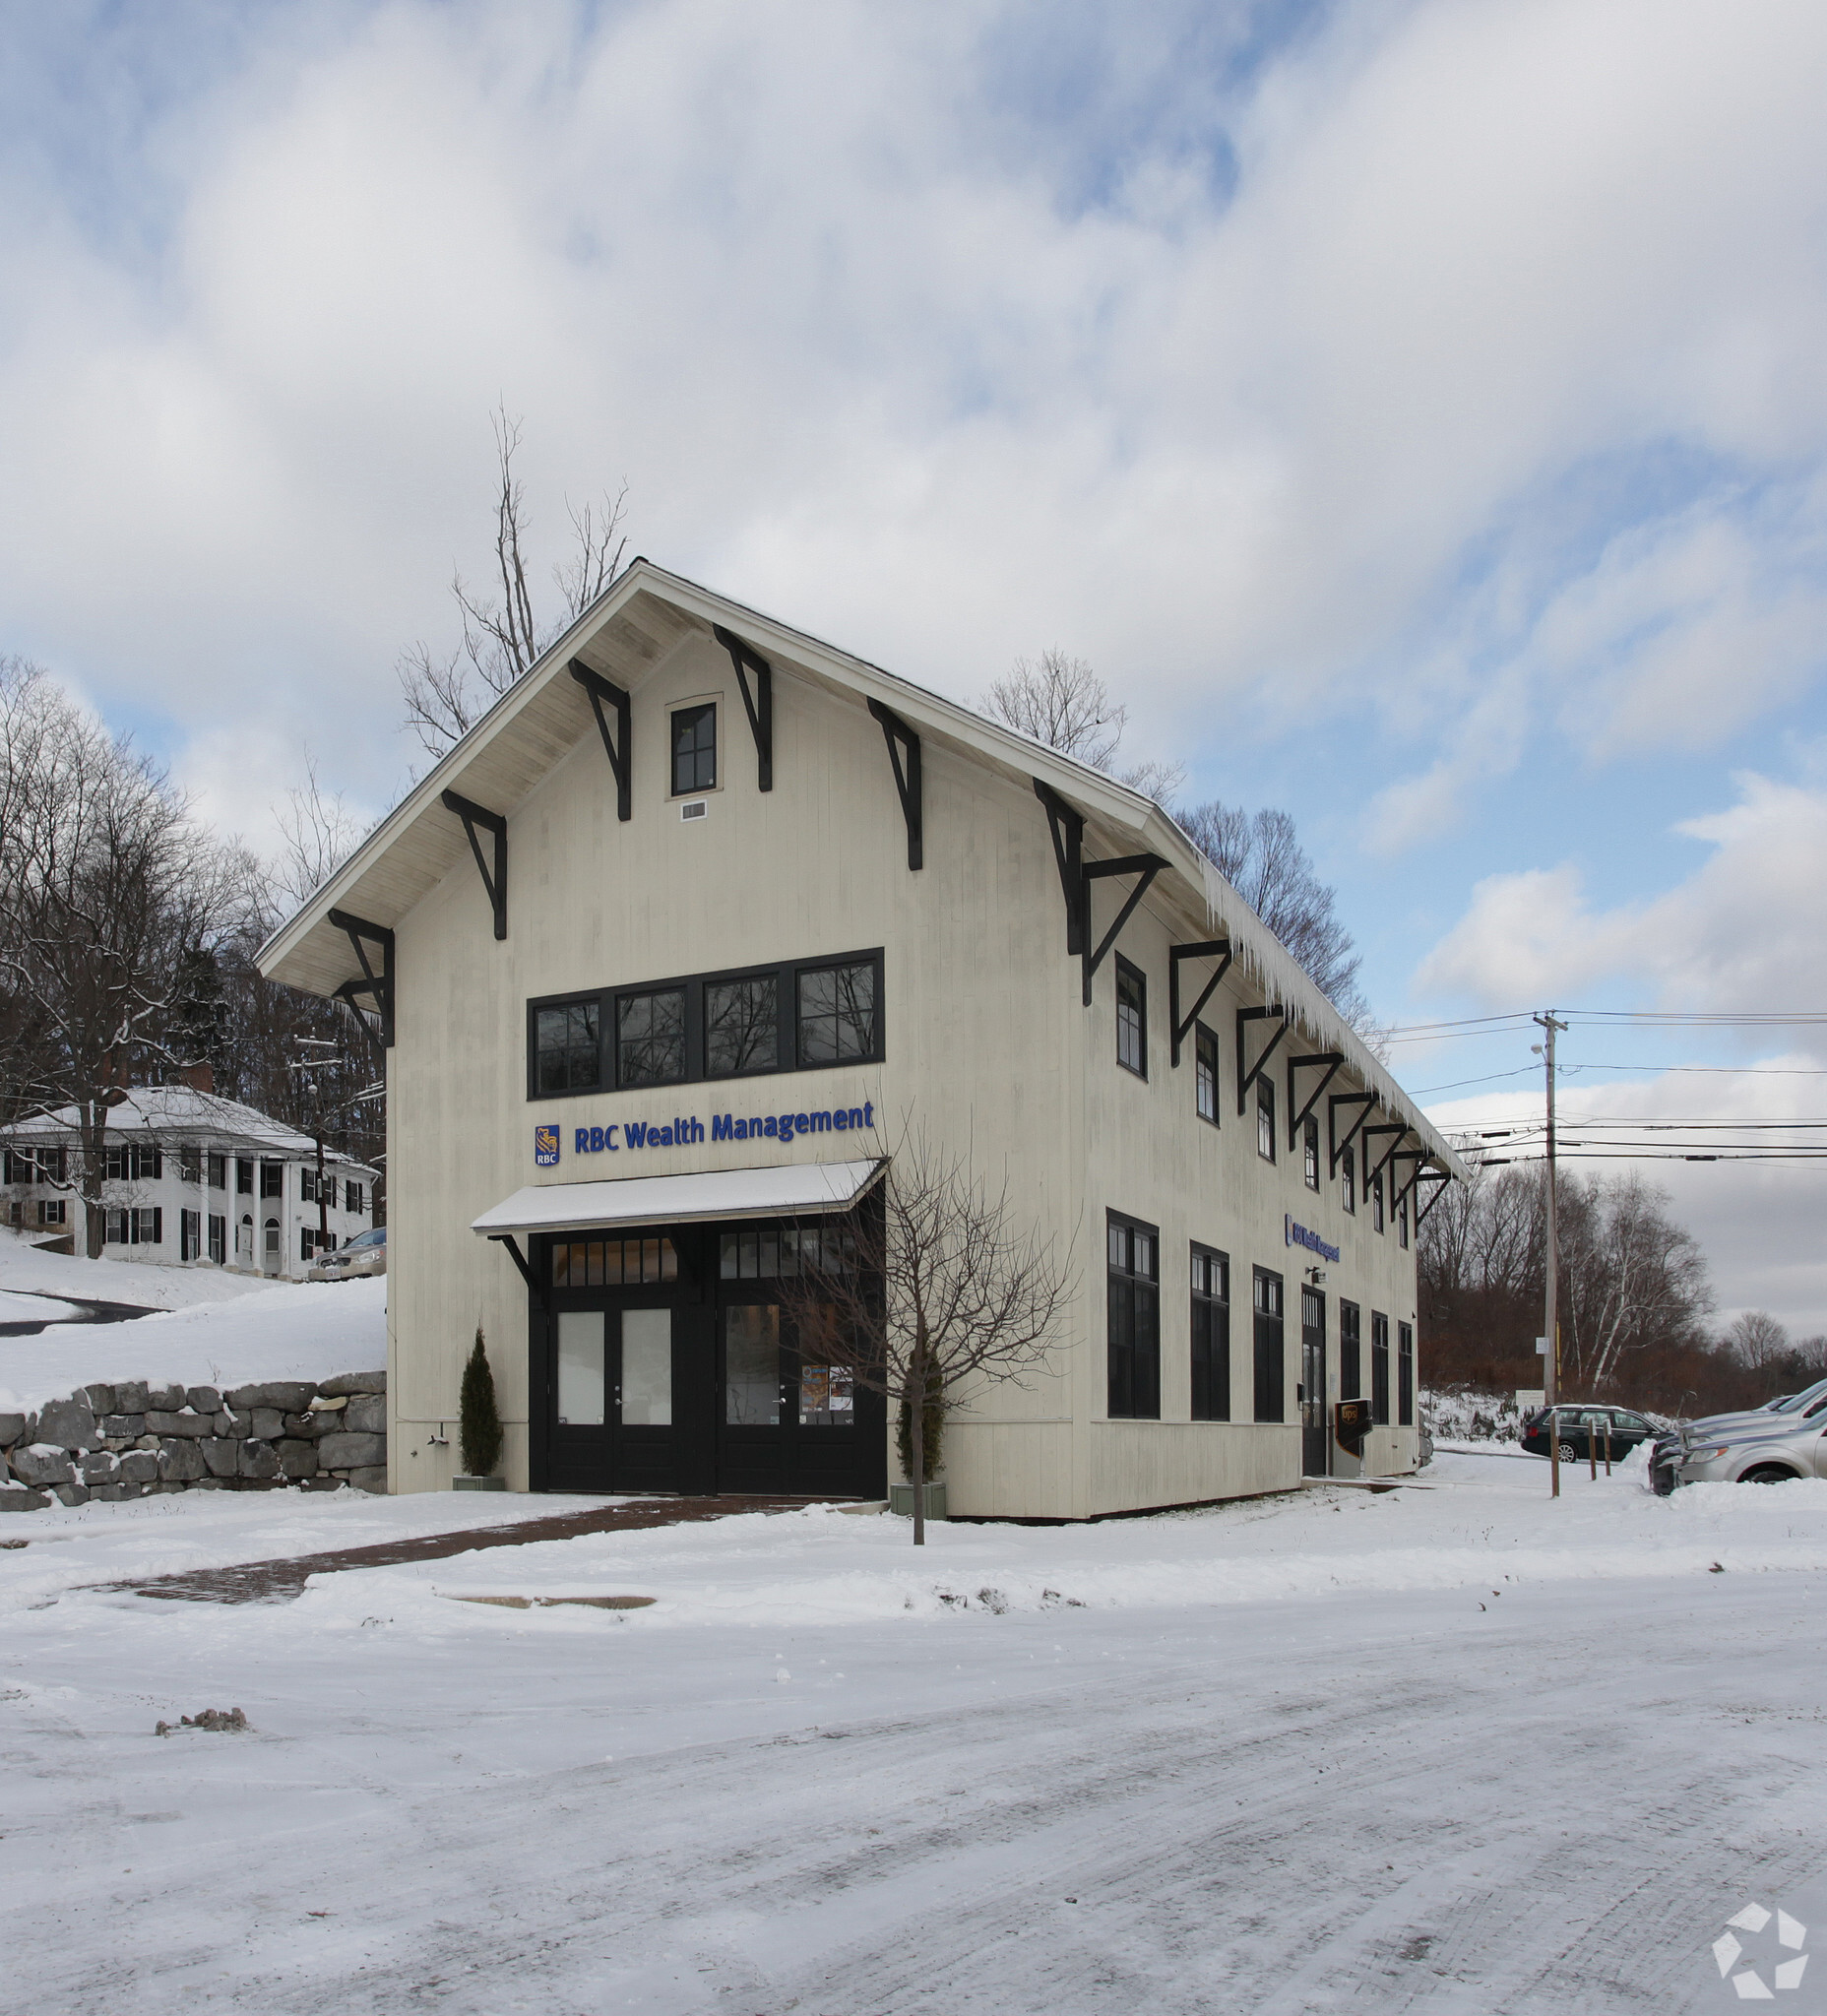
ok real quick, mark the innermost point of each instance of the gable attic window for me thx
(694, 749)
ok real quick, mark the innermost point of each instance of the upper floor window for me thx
(803, 1015)
(218, 1172)
(1131, 1019)
(694, 749)
(742, 1025)
(1347, 1179)
(567, 1049)
(1402, 1221)
(649, 1037)
(244, 1177)
(273, 1179)
(1204, 1074)
(1265, 1118)
(355, 1198)
(1309, 1152)
(838, 1022)
(1376, 1202)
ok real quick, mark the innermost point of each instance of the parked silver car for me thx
(365, 1253)
(1768, 1446)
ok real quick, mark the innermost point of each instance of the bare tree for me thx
(318, 831)
(1261, 856)
(1061, 702)
(503, 636)
(942, 1289)
(112, 901)
(1756, 1338)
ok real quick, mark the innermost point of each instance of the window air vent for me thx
(697, 809)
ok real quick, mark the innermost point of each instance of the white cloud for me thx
(840, 310)
(1740, 934)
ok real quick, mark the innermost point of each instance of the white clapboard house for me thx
(192, 1178)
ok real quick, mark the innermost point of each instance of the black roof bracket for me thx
(904, 756)
(1398, 1130)
(378, 986)
(1181, 1026)
(615, 747)
(1067, 827)
(1247, 1077)
(1444, 1179)
(1364, 1102)
(474, 815)
(759, 705)
(1144, 867)
(1331, 1059)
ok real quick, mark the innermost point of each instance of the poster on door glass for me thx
(826, 1394)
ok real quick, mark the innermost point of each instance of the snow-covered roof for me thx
(780, 1191)
(172, 1113)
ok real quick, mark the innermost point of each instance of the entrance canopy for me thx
(786, 1190)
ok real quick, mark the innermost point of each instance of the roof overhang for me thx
(625, 636)
(808, 1190)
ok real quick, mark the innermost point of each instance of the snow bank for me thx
(304, 1330)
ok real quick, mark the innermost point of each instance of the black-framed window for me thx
(1271, 1388)
(244, 1177)
(1131, 1018)
(1379, 1369)
(567, 1046)
(1376, 1202)
(694, 749)
(743, 1025)
(1205, 1073)
(1350, 1352)
(1265, 1118)
(1402, 1221)
(840, 1012)
(803, 1014)
(1211, 1335)
(1309, 1152)
(1347, 1179)
(1133, 1334)
(1404, 1376)
(273, 1179)
(649, 1037)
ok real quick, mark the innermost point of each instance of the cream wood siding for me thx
(988, 1047)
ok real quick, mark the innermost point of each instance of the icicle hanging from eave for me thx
(1285, 983)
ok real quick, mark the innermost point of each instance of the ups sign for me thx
(1353, 1418)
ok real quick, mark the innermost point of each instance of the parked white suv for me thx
(365, 1253)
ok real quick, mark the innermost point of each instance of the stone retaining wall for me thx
(132, 1438)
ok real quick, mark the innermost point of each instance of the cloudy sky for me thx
(1416, 410)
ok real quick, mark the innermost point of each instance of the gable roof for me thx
(171, 1112)
(624, 635)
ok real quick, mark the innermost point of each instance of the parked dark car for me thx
(1580, 1427)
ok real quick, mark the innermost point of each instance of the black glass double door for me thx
(650, 1393)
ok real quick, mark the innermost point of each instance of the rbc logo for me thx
(546, 1148)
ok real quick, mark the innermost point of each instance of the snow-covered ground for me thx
(1452, 1748)
(288, 1331)
(30, 1268)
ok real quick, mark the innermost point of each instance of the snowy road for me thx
(783, 1787)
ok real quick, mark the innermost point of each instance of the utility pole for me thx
(1550, 1331)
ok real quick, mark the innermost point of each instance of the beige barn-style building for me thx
(698, 921)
